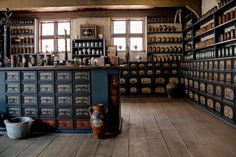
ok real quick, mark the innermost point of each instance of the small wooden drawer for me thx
(221, 64)
(82, 100)
(14, 111)
(63, 76)
(218, 90)
(210, 88)
(202, 100)
(210, 65)
(13, 100)
(160, 90)
(125, 73)
(82, 88)
(46, 100)
(146, 81)
(146, 90)
(196, 97)
(30, 111)
(12, 76)
(133, 72)
(149, 72)
(160, 80)
(141, 72)
(216, 64)
(64, 100)
(29, 99)
(29, 88)
(190, 94)
(202, 87)
(205, 65)
(215, 77)
(29, 76)
(133, 65)
(48, 112)
(133, 80)
(81, 76)
(190, 83)
(46, 76)
(229, 111)
(49, 122)
(174, 79)
(82, 112)
(64, 88)
(196, 85)
(210, 76)
(133, 90)
(82, 124)
(228, 77)
(210, 104)
(229, 93)
(218, 106)
(221, 77)
(64, 112)
(65, 124)
(141, 65)
(228, 64)
(13, 88)
(46, 88)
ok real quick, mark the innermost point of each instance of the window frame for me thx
(55, 35)
(129, 35)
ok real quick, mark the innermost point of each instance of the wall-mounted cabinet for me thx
(88, 48)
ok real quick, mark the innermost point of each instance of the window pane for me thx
(136, 27)
(119, 27)
(47, 45)
(62, 26)
(136, 44)
(61, 45)
(120, 43)
(47, 28)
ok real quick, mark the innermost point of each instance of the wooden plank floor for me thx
(152, 127)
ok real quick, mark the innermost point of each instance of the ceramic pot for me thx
(19, 127)
(98, 119)
(171, 89)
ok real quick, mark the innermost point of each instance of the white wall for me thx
(103, 28)
(207, 5)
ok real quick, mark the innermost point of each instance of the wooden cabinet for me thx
(60, 98)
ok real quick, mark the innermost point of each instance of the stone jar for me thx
(172, 90)
(98, 119)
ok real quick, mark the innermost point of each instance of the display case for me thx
(87, 48)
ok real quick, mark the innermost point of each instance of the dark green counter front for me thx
(59, 97)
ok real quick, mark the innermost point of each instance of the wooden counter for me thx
(59, 97)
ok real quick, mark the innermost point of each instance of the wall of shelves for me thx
(209, 76)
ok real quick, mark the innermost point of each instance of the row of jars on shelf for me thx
(205, 28)
(28, 40)
(227, 35)
(205, 54)
(161, 19)
(158, 49)
(22, 49)
(164, 39)
(227, 17)
(171, 58)
(24, 22)
(204, 43)
(18, 31)
(162, 28)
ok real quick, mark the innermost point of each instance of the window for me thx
(128, 33)
(52, 36)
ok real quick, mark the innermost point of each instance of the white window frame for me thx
(55, 36)
(129, 35)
